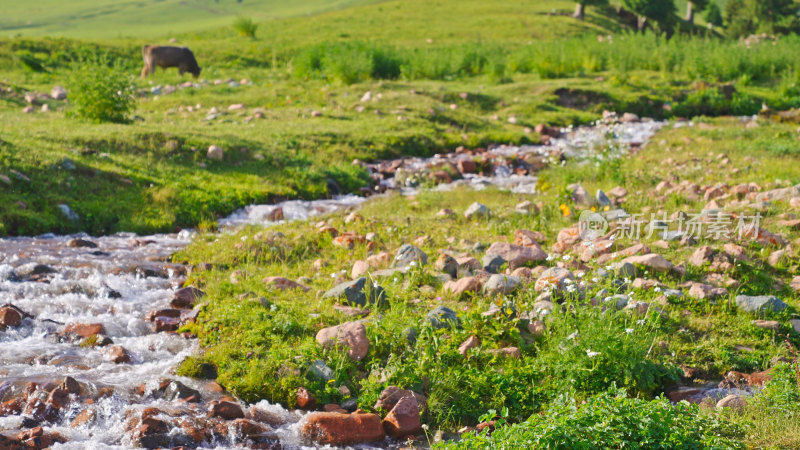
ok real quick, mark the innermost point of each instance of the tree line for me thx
(737, 19)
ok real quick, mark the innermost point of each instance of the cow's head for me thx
(196, 71)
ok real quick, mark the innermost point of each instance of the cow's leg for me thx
(181, 69)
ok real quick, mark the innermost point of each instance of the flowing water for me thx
(117, 280)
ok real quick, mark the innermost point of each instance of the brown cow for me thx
(165, 56)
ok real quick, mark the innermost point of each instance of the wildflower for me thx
(606, 208)
(593, 208)
(395, 279)
(657, 289)
(591, 354)
(550, 257)
(333, 275)
(424, 427)
(375, 284)
(564, 209)
(580, 274)
(572, 336)
(629, 330)
(566, 257)
(244, 238)
(595, 279)
(640, 322)
(412, 263)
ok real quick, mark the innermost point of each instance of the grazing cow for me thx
(166, 56)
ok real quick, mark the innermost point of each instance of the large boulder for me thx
(352, 335)
(331, 428)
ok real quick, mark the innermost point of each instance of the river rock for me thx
(352, 335)
(407, 254)
(9, 317)
(652, 261)
(392, 394)
(215, 152)
(760, 303)
(493, 263)
(443, 317)
(477, 210)
(339, 429)
(515, 255)
(81, 243)
(282, 283)
(226, 410)
(447, 264)
(58, 93)
(403, 420)
(175, 390)
(353, 291)
(470, 343)
(83, 330)
(732, 401)
(185, 298)
(501, 284)
(466, 285)
(118, 355)
(553, 278)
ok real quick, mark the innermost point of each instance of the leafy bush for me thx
(245, 27)
(611, 420)
(100, 91)
(589, 349)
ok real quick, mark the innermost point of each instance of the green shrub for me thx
(611, 420)
(590, 350)
(245, 27)
(100, 91)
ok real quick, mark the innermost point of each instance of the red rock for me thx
(249, 428)
(9, 317)
(282, 283)
(527, 238)
(264, 416)
(352, 335)
(185, 298)
(463, 286)
(651, 261)
(470, 343)
(11, 407)
(275, 215)
(683, 393)
(515, 255)
(84, 330)
(83, 417)
(118, 355)
(403, 420)
(330, 230)
(342, 429)
(392, 394)
(333, 407)
(166, 324)
(304, 399)
(467, 166)
(226, 410)
(701, 256)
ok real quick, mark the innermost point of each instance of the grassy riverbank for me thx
(251, 341)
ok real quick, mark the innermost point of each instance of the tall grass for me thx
(693, 58)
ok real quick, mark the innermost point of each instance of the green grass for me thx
(249, 342)
(148, 18)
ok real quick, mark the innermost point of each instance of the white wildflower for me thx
(572, 336)
(591, 354)
(629, 330)
(566, 257)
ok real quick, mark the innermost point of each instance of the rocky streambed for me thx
(88, 341)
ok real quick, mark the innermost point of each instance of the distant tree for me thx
(661, 12)
(714, 14)
(746, 17)
(580, 7)
(692, 6)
